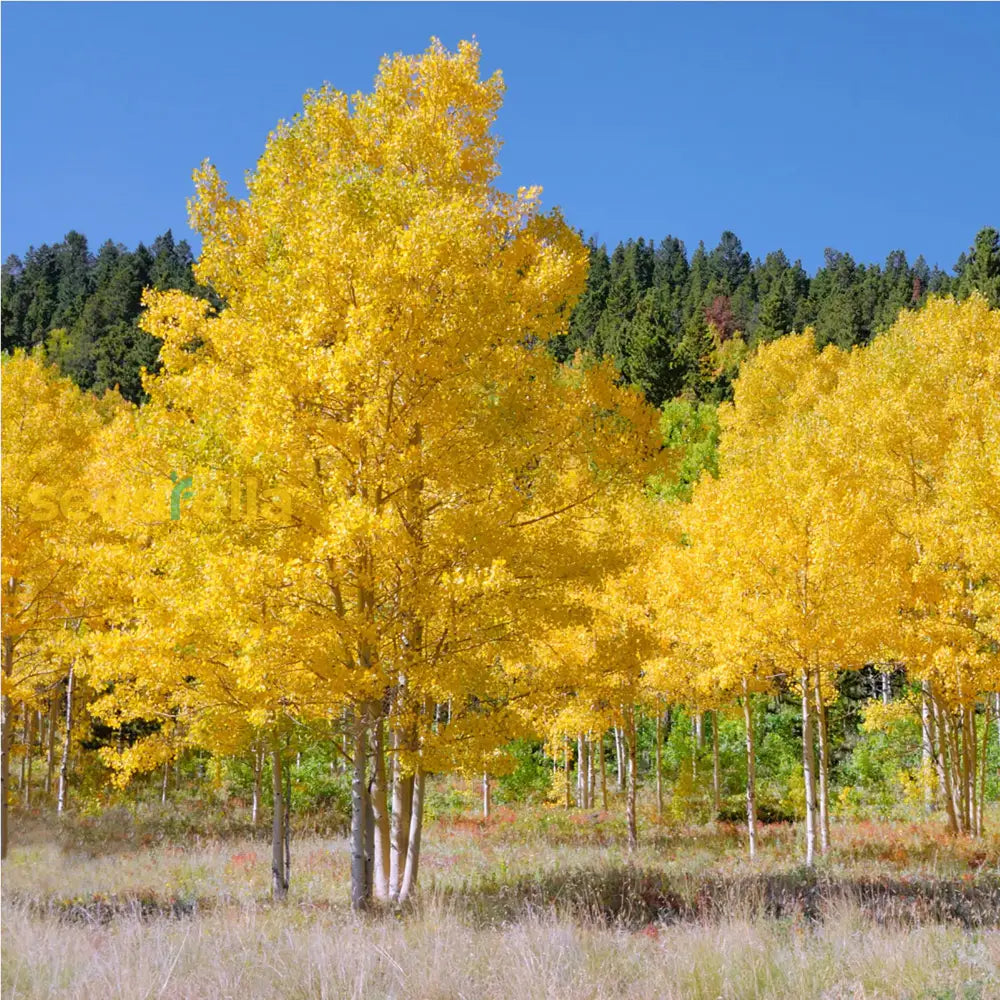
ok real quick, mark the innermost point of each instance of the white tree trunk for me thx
(63, 796)
(413, 845)
(279, 872)
(751, 772)
(808, 769)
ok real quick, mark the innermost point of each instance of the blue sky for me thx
(863, 127)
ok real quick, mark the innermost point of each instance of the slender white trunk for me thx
(566, 774)
(604, 774)
(659, 765)
(630, 792)
(359, 818)
(808, 769)
(823, 768)
(63, 795)
(716, 770)
(258, 769)
(279, 872)
(486, 796)
(751, 772)
(620, 758)
(413, 845)
(50, 750)
(399, 822)
(927, 748)
(380, 815)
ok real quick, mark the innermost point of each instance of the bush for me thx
(531, 779)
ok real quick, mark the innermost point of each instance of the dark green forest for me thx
(677, 324)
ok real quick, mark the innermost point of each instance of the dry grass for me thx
(251, 952)
(535, 905)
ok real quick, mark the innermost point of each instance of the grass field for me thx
(538, 903)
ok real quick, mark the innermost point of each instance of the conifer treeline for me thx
(675, 325)
(83, 307)
(678, 325)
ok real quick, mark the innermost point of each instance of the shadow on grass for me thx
(635, 897)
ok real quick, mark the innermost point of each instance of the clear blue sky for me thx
(863, 127)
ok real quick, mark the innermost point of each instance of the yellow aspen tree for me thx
(917, 412)
(48, 426)
(381, 360)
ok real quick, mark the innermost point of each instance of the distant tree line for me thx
(676, 325)
(680, 326)
(82, 308)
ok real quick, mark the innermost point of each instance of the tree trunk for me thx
(927, 749)
(258, 771)
(569, 801)
(824, 762)
(628, 737)
(67, 741)
(659, 767)
(751, 772)
(581, 773)
(413, 844)
(50, 751)
(620, 758)
(359, 817)
(944, 749)
(886, 687)
(808, 769)
(716, 770)
(399, 823)
(604, 774)
(163, 783)
(279, 873)
(591, 782)
(699, 730)
(486, 796)
(29, 738)
(5, 724)
(380, 815)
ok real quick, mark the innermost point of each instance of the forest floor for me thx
(534, 903)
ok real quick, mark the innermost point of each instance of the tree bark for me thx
(380, 814)
(486, 796)
(413, 844)
(927, 748)
(808, 769)
(824, 762)
(659, 766)
(751, 772)
(359, 817)
(566, 773)
(716, 770)
(29, 738)
(620, 758)
(67, 742)
(604, 774)
(5, 724)
(258, 770)
(630, 793)
(944, 749)
(279, 873)
(50, 751)
(399, 822)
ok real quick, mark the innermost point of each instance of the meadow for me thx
(538, 901)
